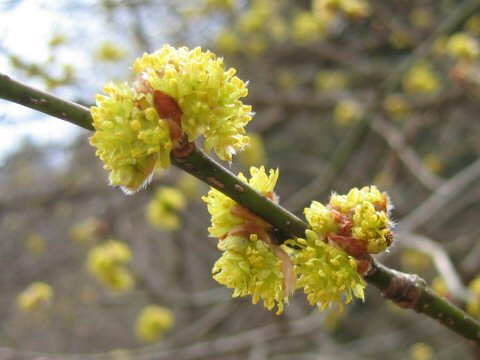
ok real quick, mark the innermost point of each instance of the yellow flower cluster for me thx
(106, 262)
(327, 274)
(328, 263)
(208, 96)
(130, 137)
(152, 323)
(347, 111)
(421, 79)
(326, 9)
(421, 351)
(250, 267)
(331, 80)
(177, 91)
(162, 210)
(36, 296)
(307, 28)
(463, 46)
(363, 215)
(251, 263)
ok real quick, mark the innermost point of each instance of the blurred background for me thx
(346, 93)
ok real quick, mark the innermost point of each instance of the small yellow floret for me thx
(307, 28)
(163, 209)
(372, 226)
(208, 96)
(367, 211)
(220, 206)
(320, 218)
(331, 80)
(106, 262)
(36, 296)
(327, 274)
(421, 351)
(463, 46)
(130, 137)
(153, 322)
(421, 79)
(249, 264)
(250, 267)
(347, 112)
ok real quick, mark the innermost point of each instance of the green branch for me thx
(405, 290)
(17, 92)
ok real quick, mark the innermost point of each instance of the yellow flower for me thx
(327, 274)
(320, 218)
(252, 263)
(365, 212)
(356, 9)
(250, 267)
(106, 262)
(220, 206)
(421, 351)
(463, 46)
(162, 211)
(307, 28)
(326, 9)
(153, 322)
(372, 226)
(130, 137)
(208, 96)
(36, 296)
(331, 80)
(177, 91)
(355, 197)
(347, 112)
(109, 52)
(421, 79)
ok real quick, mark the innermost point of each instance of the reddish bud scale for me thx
(169, 111)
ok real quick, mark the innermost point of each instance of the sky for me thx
(30, 42)
(26, 26)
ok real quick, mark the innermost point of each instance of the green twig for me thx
(407, 291)
(15, 91)
(210, 172)
(410, 291)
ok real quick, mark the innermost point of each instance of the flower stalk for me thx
(405, 290)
